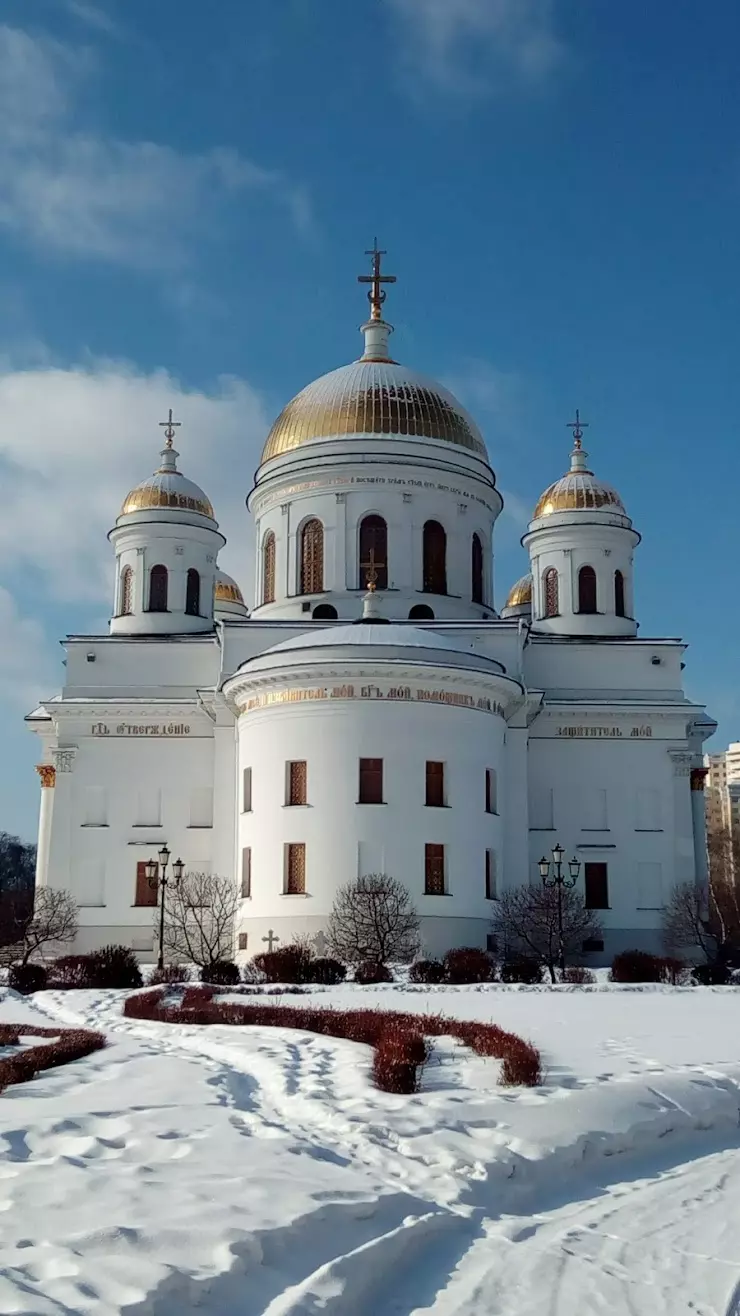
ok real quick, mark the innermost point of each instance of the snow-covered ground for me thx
(258, 1172)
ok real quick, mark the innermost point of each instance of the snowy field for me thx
(256, 1172)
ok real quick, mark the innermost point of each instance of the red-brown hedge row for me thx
(380, 1029)
(69, 1044)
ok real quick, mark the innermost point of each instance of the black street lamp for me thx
(160, 884)
(561, 883)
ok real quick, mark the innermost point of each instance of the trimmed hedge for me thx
(114, 966)
(70, 971)
(68, 1044)
(27, 978)
(428, 971)
(222, 972)
(711, 975)
(288, 964)
(170, 973)
(327, 971)
(641, 966)
(521, 1060)
(369, 973)
(575, 973)
(522, 969)
(469, 964)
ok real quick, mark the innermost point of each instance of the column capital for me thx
(48, 774)
(64, 759)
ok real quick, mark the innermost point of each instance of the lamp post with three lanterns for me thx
(559, 881)
(160, 883)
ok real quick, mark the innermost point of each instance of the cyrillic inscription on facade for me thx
(405, 693)
(157, 729)
(605, 733)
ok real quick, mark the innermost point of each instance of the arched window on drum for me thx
(312, 557)
(587, 590)
(373, 552)
(435, 558)
(126, 593)
(268, 568)
(551, 592)
(476, 569)
(158, 588)
(619, 594)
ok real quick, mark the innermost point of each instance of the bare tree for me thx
(373, 918)
(199, 918)
(525, 920)
(53, 922)
(687, 924)
(17, 872)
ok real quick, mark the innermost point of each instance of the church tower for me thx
(581, 543)
(166, 540)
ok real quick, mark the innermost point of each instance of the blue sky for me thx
(186, 192)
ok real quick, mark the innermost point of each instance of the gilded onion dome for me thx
(168, 487)
(521, 593)
(579, 490)
(374, 396)
(228, 600)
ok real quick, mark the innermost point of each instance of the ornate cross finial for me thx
(371, 575)
(271, 938)
(577, 426)
(376, 295)
(169, 425)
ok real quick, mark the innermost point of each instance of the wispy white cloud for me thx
(75, 440)
(83, 194)
(94, 16)
(473, 46)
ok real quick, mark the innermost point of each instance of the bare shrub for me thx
(199, 918)
(68, 1044)
(373, 919)
(526, 922)
(53, 922)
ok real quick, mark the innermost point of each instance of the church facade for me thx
(372, 711)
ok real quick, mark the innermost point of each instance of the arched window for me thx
(435, 558)
(619, 594)
(476, 566)
(374, 551)
(158, 589)
(587, 590)
(551, 592)
(268, 568)
(421, 612)
(126, 595)
(192, 593)
(312, 557)
(325, 612)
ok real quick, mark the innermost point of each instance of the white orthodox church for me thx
(372, 711)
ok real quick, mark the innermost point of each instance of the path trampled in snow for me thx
(258, 1172)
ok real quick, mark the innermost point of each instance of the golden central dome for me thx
(373, 398)
(576, 492)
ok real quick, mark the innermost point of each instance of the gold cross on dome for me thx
(376, 295)
(577, 426)
(170, 426)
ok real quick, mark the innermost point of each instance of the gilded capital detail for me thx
(48, 774)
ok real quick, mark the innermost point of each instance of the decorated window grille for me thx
(295, 870)
(268, 569)
(297, 783)
(312, 557)
(434, 870)
(552, 593)
(127, 593)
